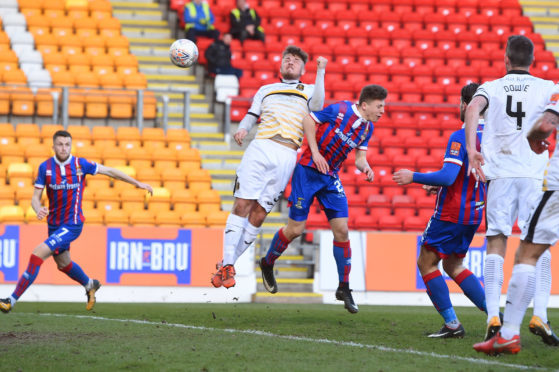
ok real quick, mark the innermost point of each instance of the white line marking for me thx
(305, 339)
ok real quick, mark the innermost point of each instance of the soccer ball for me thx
(183, 53)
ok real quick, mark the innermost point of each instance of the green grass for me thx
(216, 337)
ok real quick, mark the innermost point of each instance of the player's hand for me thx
(370, 175)
(321, 63)
(538, 146)
(431, 189)
(43, 212)
(240, 135)
(321, 163)
(475, 161)
(145, 186)
(403, 177)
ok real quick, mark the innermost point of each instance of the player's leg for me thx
(40, 253)
(453, 266)
(342, 255)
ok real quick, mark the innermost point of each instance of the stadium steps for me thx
(545, 17)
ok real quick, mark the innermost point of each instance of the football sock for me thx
(438, 293)
(249, 236)
(519, 295)
(28, 276)
(472, 288)
(233, 232)
(342, 254)
(543, 285)
(74, 271)
(277, 247)
(493, 274)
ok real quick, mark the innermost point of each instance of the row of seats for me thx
(16, 214)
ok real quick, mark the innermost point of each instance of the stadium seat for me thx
(390, 222)
(107, 199)
(168, 219)
(208, 201)
(184, 201)
(217, 218)
(118, 217)
(139, 158)
(160, 200)
(11, 214)
(143, 218)
(113, 156)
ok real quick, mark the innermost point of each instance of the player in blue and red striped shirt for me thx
(331, 135)
(458, 213)
(63, 176)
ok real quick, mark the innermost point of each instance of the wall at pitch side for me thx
(386, 262)
(173, 261)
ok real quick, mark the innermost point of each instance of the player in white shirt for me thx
(269, 160)
(541, 232)
(514, 173)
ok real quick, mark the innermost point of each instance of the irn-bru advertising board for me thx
(135, 256)
(391, 262)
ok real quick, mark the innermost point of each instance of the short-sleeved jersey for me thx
(515, 101)
(551, 175)
(65, 184)
(340, 129)
(462, 202)
(281, 108)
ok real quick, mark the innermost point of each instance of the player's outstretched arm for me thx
(245, 126)
(363, 165)
(541, 130)
(443, 177)
(119, 175)
(475, 159)
(317, 101)
(41, 211)
(310, 133)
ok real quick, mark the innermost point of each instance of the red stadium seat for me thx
(390, 223)
(364, 222)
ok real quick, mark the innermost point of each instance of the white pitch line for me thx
(305, 339)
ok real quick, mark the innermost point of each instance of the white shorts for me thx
(264, 172)
(543, 224)
(509, 199)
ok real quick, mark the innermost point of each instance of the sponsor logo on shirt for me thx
(455, 148)
(64, 186)
(344, 137)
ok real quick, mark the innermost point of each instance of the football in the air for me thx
(183, 53)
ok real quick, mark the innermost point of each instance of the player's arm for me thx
(475, 158)
(363, 165)
(317, 100)
(543, 128)
(40, 210)
(443, 177)
(250, 119)
(120, 175)
(309, 128)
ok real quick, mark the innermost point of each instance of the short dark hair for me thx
(296, 51)
(520, 51)
(468, 91)
(372, 92)
(61, 133)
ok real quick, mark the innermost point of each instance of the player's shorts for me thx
(61, 236)
(447, 238)
(543, 225)
(509, 199)
(264, 172)
(308, 183)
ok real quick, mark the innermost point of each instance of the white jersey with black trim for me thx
(281, 108)
(515, 102)
(551, 175)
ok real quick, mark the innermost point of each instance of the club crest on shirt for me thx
(300, 87)
(554, 98)
(299, 204)
(455, 148)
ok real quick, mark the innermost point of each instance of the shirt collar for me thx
(290, 81)
(66, 162)
(519, 72)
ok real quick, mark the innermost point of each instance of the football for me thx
(183, 53)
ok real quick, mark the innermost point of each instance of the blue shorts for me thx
(447, 238)
(308, 183)
(61, 236)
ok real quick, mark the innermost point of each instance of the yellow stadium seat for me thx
(183, 201)
(128, 134)
(113, 156)
(103, 133)
(128, 170)
(208, 201)
(12, 214)
(160, 200)
(135, 81)
(7, 195)
(98, 182)
(44, 104)
(178, 138)
(23, 103)
(80, 132)
(121, 105)
(94, 216)
(107, 199)
(173, 178)
(42, 151)
(90, 153)
(133, 199)
(153, 135)
(23, 197)
(7, 130)
(119, 186)
(139, 158)
(217, 218)
(199, 179)
(193, 219)
(63, 78)
(164, 158)
(28, 130)
(11, 153)
(48, 130)
(168, 218)
(16, 170)
(87, 205)
(148, 175)
(142, 218)
(116, 217)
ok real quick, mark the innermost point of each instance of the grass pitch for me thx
(250, 337)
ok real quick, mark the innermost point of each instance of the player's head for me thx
(371, 102)
(62, 145)
(293, 63)
(466, 96)
(519, 52)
